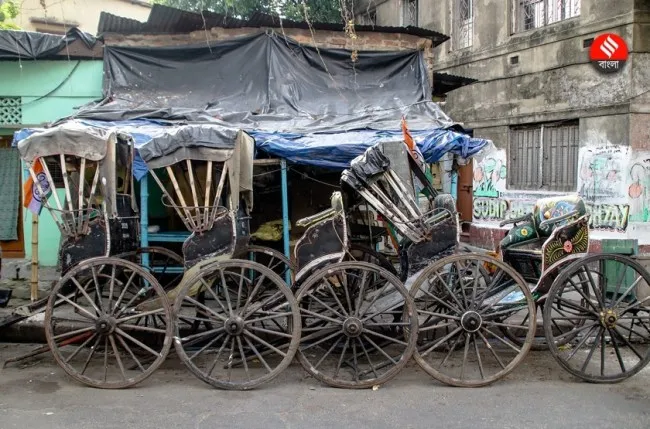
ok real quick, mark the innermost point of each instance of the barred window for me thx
(544, 157)
(463, 31)
(410, 13)
(530, 14)
(11, 111)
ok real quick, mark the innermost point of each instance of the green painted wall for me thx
(49, 90)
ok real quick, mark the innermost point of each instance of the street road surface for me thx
(36, 394)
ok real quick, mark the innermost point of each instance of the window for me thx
(544, 157)
(530, 14)
(463, 31)
(410, 13)
(11, 111)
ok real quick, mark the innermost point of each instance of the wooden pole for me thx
(34, 282)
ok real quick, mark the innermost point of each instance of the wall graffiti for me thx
(490, 175)
(638, 189)
(613, 181)
(602, 172)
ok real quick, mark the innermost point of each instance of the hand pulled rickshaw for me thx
(109, 322)
(361, 324)
(594, 308)
(89, 315)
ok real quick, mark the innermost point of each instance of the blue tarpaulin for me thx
(336, 150)
(329, 150)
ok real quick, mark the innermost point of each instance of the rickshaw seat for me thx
(533, 231)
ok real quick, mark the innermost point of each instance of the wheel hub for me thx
(608, 318)
(471, 321)
(105, 325)
(234, 325)
(353, 327)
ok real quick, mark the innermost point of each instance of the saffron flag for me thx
(413, 148)
(418, 157)
(33, 200)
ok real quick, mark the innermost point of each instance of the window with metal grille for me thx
(463, 31)
(544, 157)
(410, 14)
(11, 111)
(530, 14)
(54, 165)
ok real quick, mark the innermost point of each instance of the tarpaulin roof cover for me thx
(310, 106)
(33, 46)
(266, 82)
(154, 139)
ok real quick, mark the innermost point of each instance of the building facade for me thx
(57, 17)
(33, 93)
(558, 123)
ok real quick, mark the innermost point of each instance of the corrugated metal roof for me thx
(168, 20)
(445, 82)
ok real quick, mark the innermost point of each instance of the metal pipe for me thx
(144, 218)
(285, 214)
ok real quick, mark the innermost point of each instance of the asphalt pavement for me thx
(37, 394)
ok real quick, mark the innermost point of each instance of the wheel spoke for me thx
(465, 352)
(128, 349)
(78, 307)
(616, 349)
(581, 343)
(367, 338)
(117, 353)
(501, 340)
(136, 342)
(330, 288)
(478, 357)
(312, 296)
(441, 341)
(449, 353)
(491, 349)
(261, 341)
(591, 351)
(122, 293)
(385, 337)
(320, 316)
(243, 356)
(205, 347)
(205, 308)
(322, 340)
(216, 359)
(257, 353)
(225, 291)
(362, 293)
(97, 292)
(75, 332)
(144, 329)
(269, 331)
(144, 314)
(345, 348)
(80, 347)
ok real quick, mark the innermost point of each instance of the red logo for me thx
(608, 52)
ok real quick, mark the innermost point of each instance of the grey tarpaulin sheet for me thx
(30, 45)
(266, 82)
(68, 138)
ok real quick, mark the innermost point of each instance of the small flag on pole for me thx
(33, 200)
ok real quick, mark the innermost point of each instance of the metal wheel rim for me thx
(171, 256)
(484, 337)
(409, 337)
(162, 310)
(238, 341)
(593, 323)
(274, 254)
